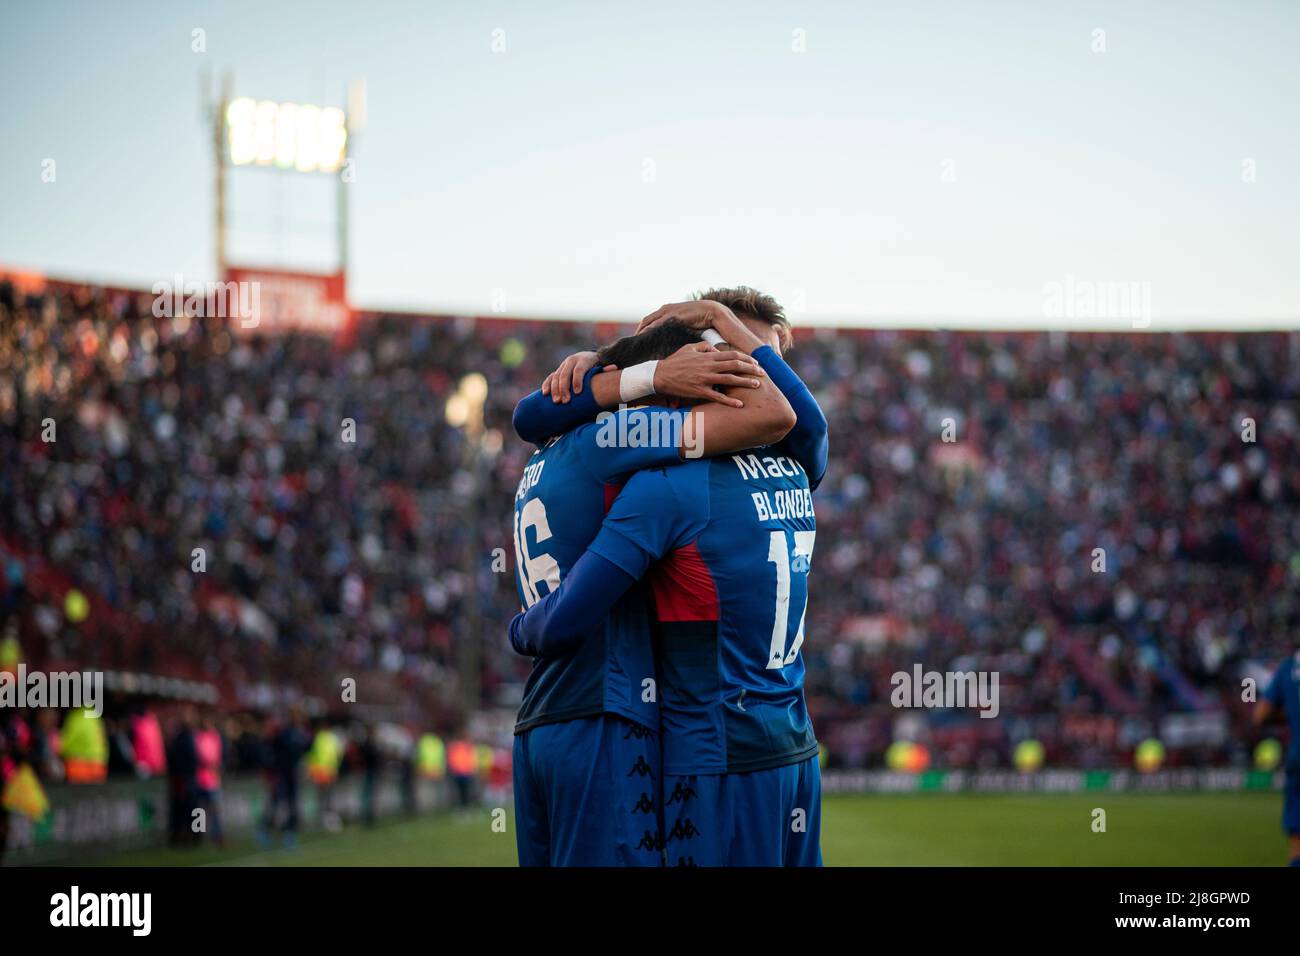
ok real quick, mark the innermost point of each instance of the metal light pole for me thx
(215, 114)
(465, 410)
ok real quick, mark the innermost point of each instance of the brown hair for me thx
(750, 303)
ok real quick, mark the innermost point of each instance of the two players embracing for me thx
(664, 534)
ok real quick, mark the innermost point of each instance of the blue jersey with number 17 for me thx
(559, 503)
(727, 544)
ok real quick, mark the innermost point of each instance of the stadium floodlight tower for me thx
(293, 140)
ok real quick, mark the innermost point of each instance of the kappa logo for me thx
(639, 732)
(644, 805)
(683, 830)
(686, 861)
(650, 841)
(682, 792)
(641, 768)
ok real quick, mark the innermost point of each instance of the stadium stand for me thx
(326, 558)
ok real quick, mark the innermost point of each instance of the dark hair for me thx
(654, 343)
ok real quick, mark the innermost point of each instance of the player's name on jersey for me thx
(769, 466)
(532, 474)
(783, 503)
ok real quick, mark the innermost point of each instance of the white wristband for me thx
(711, 336)
(637, 382)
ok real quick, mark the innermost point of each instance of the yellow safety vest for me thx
(431, 756)
(11, 654)
(85, 748)
(324, 757)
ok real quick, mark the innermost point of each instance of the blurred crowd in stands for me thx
(1108, 521)
(192, 749)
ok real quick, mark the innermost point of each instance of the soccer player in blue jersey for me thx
(586, 756)
(1283, 695)
(731, 542)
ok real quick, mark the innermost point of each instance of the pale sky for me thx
(921, 161)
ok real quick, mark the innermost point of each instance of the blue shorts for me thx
(586, 794)
(765, 818)
(1291, 803)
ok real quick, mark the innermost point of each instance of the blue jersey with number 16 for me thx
(559, 503)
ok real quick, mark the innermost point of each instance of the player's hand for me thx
(697, 314)
(566, 381)
(698, 369)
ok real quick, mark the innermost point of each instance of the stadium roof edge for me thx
(31, 280)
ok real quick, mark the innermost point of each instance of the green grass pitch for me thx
(1239, 829)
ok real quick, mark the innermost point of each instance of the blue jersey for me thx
(733, 541)
(559, 504)
(1284, 694)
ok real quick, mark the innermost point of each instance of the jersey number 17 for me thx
(780, 553)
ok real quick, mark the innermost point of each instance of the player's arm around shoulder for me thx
(619, 443)
(712, 429)
(577, 391)
(808, 441)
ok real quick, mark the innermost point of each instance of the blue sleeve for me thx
(807, 441)
(557, 623)
(1276, 693)
(619, 443)
(537, 418)
(656, 512)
